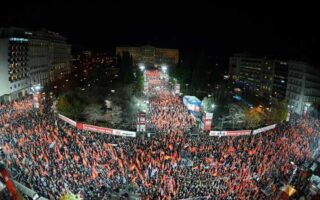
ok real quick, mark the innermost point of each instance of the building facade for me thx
(14, 71)
(30, 58)
(303, 88)
(298, 82)
(151, 56)
(280, 80)
(255, 74)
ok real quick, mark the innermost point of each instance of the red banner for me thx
(207, 125)
(237, 133)
(230, 133)
(9, 183)
(98, 129)
(79, 126)
(110, 131)
(152, 74)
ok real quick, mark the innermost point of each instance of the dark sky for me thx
(260, 27)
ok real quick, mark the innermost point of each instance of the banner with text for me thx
(230, 133)
(264, 129)
(124, 133)
(93, 128)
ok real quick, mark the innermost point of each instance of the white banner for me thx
(264, 129)
(66, 119)
(124, 133)
(216, 133)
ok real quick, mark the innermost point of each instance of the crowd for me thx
(168, 113)
(52, 157)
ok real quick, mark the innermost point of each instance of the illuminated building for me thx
(298, 82)
(280, 80)
(151, 56)
(303, 88)
(255, 74)
(29, 58)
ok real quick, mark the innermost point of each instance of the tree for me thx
(279, 112)
(70, 105)
(63, 105)
(254, 117)
(140, 81)
(180, 73)
(197, 80)
(207, 104)
(126, 68)
(94, 112)
(69, 196)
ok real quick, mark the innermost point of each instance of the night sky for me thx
(278, 29)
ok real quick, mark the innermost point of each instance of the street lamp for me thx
(36, 88)
(212, 105)
(164, 68)
(142, 67)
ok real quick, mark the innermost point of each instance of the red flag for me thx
(94, 172)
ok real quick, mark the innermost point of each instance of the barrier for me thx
(242, 132)
(124, 133)
(237, 133)
(66, 119)
(88, 127)
(230, 133)
(98, 129)
(264, 129)
(30, 193)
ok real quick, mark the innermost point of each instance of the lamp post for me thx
(164, 68)
(222, 120)
(187, 87)
(142, 68)
(213, 106)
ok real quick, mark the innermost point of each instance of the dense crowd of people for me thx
(52, 157)
(168, 113)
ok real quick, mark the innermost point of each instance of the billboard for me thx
(141, 122)
(206, 121)
(192, 103)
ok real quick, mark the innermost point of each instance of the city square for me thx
(122, 119)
